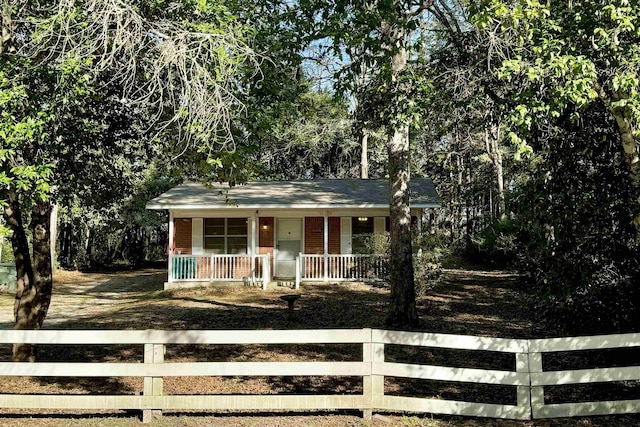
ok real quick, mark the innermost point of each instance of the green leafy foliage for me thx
(555, 85)
(23, 126)
(497, 244)
(314, 140)
(576, 238)
(119, 230)
(565, 57)
(431, 250)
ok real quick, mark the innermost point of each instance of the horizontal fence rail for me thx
(528, 379)
(539, 378)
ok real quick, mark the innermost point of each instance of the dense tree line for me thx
(524, 113)
(540, 105)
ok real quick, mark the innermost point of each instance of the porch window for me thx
(225, 235)
(361, 229)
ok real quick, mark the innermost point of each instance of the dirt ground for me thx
(495, 304)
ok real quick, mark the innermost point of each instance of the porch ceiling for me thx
(303, 194)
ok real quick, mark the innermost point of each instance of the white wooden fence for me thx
(528, 378)
(349, 267)
(226, 268)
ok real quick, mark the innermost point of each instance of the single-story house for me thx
(307, 230)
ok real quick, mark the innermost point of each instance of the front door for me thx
(288, 246)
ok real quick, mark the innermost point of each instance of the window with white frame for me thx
(225, 235)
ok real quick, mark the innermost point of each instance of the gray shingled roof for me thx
(317, 193)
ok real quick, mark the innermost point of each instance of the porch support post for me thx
(326, 245)
(299, 270)
(253, 246)
(170, 248)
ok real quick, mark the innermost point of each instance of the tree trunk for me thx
(468, 203)
(493, 150)
(364, 159)
(34, 286)
(26, 298)
(631, 152)
(6, 27)
(54, 234)
(402, 311)
(42, 271)
(630, 147)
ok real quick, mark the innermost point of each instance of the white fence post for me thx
(524, 392)
(170, 268)
(153, 353)
(367, 381)
(537, 392)
(377, 381)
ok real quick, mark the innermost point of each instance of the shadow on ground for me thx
(470, 303)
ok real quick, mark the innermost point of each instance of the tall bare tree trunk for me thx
(364, 158)
(54, 234)
(468, 203)
(492, 148)
(6, 27)
(402, 310)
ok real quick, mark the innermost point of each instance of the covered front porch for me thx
(280, 246)
(256, 270)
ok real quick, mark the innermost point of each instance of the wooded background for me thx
(524, 113)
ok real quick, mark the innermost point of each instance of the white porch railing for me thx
(351, 267)
(225, 268)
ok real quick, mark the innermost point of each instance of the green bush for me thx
(497, 245)
(578, 241)
(7, 252)
(430, 250)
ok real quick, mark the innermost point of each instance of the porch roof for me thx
(301, 194)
